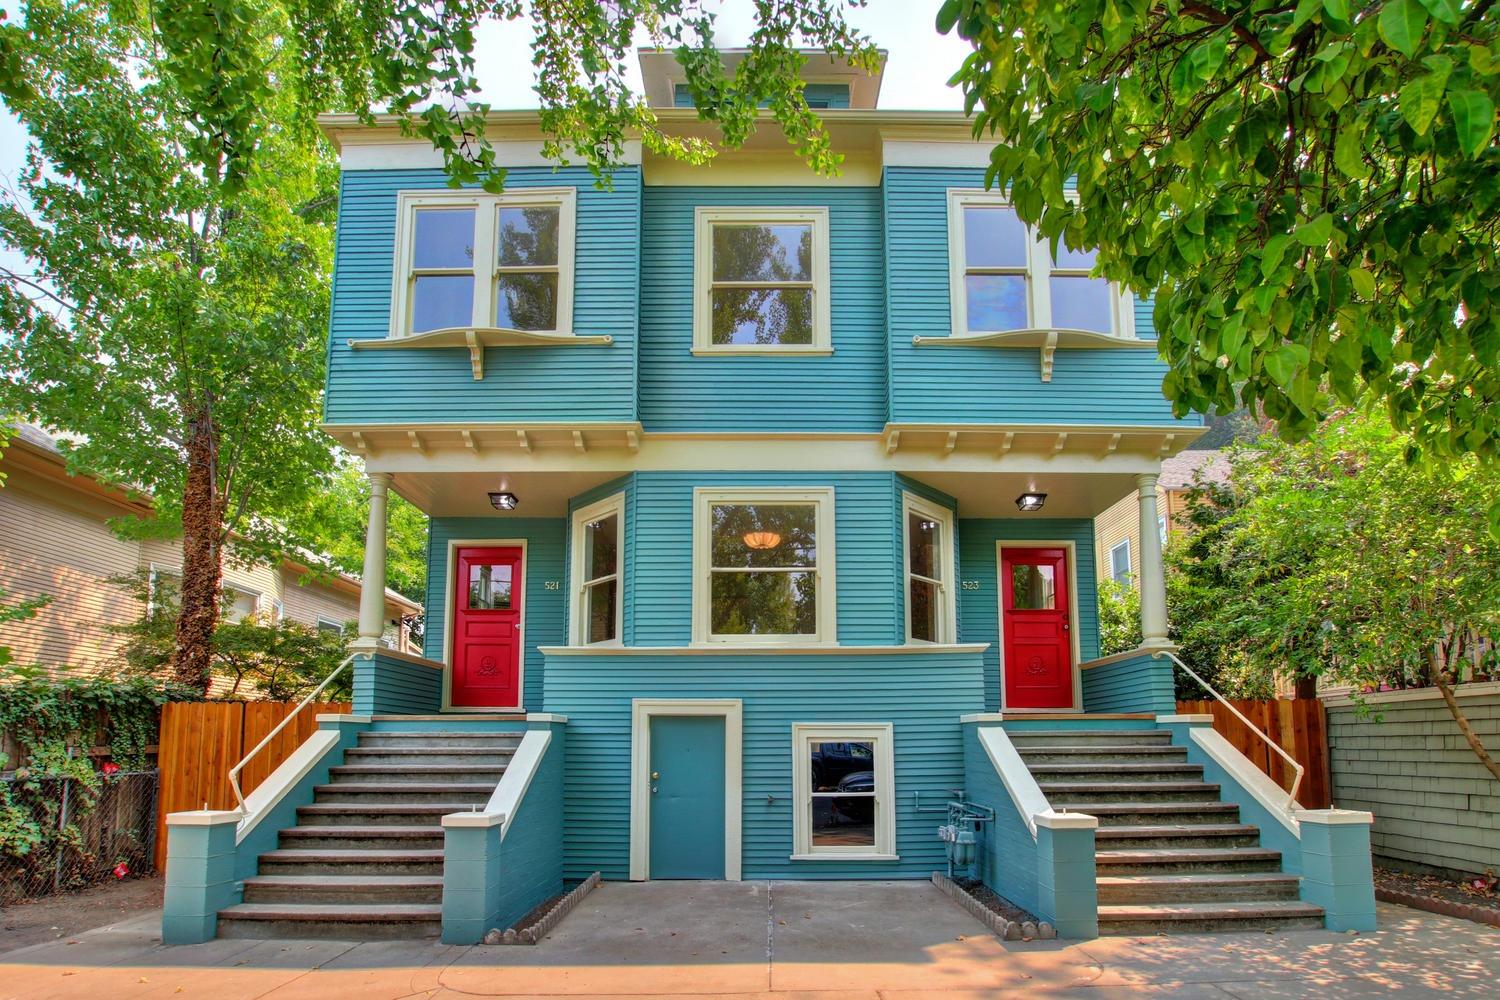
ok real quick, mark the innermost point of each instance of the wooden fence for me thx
(201, 741)
(1297, 725)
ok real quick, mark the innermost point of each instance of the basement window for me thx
(843, 784)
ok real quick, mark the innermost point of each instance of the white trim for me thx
(1070, 553)
(705, 217)
(827, 585)
(1038, 269)
(1054, 820)
(1024, 791)
(420, 154)
(485, 260)
(1335, 817)
(911, 504)
(298, 765)
(788, 649)
(577, 618)
(935, 153)
(454, 544)
(1271, 796)
(203, 817)
(545, 717)
(1468, 690)
(1195, 719)
(1129, 564)
(1128, 654)
(883, 736)
(339, 627)
(510, 790)
(642, 711)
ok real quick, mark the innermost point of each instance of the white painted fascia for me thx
(1251, 778)
(386, 153)
(203, 817)
(1054, 820)
(266, 796)
(1335, 817)
(1024, 791)
(510, 791)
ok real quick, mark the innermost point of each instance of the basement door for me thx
(487, 599)
(1037, 626)
(687, 796)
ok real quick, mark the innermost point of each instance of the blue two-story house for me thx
(761, 548)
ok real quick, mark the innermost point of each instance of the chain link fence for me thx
(58, 834)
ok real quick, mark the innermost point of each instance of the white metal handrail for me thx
(234, 772)
(1297, 768)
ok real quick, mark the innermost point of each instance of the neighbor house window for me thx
(929, 571)
(763, 566)
(597, 533)
(1161, 528)
(330, 627)
(465, 259)
(843, 785)
(1004, 278)
(1119, 561)
(761, 281)
(243, 603)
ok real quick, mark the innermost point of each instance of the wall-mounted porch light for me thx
(1030, 501)
(503, 501)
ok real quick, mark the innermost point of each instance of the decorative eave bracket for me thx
(476, 339)
(1048, 341)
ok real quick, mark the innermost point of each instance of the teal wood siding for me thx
(625, 486)
(389, 684)
(865, 505)
(1137, 684)
(592, 383)
(683, 392)
(1110, 386)
(922, 695)
(545, 618)
(979, 609)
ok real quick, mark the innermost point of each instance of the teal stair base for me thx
(1135, 681)
(391, 683)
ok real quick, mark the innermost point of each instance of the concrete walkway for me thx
(784, 939)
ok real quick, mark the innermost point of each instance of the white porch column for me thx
(1153, 578)
(372, 582)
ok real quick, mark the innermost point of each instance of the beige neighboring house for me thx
(1117, 532)
(54, 540)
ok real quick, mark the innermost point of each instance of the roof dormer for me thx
(832, 83)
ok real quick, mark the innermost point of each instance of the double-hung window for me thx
(763, 566)
(1004, 278)
(843, 784)
(597, 530)
(1119, 561)
(761, 282)
(466, 259)
(929, 571)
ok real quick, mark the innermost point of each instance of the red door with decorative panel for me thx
(1037, 628)
(487, 599)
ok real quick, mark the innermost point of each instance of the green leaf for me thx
(1363, 282)
(947, 16)
(1422, 96)
(1473, 119)
(1495, 520)
(1401, 23)
(1270, 257)
(1349, 152)
(1444, 10)
(1337, 9)
(1315, 232)
(1283, 363)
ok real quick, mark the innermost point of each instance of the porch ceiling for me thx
(466, 494)
(1069, 494)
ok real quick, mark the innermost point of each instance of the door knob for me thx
(655, 775)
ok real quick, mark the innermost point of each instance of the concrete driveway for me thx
(729, 940)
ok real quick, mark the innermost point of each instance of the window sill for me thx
(844, 857)
(762, 352)
(1048, 341)
(476, 339)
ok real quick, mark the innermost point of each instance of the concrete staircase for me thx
(1169, 855)
(365, 860)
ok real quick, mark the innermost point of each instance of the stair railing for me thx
(234, 772)
(1297, 769)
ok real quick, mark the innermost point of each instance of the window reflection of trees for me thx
(771, 591)
(527, 278)
(776, 261)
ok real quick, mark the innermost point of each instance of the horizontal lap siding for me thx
(387, 685)
(544, 610)
(979, 609)
(592, 383)
(841, 392)
(997, 384)
(1136, 685)
(866, 568)
(922, 695)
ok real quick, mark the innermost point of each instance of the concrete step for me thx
(289, 861)
(1099, 772)
(385, 814)
(1178, 918)
(1216, 888)
(338, 921)
(1151, 836)
(373, 792)
(421, 773)
(374, 837)
(1085, 793)
(1103, 753)
(1185, 860)
(386, 738)
(1149, 813)
(425, 755)
(361, 889)
(1088, 737)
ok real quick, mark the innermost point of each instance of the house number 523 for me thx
(971, 584)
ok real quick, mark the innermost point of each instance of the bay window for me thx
(597, 533)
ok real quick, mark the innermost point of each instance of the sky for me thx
(919, 65)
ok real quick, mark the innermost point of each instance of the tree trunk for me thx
(1475, 743)
(1307, 687)
(202, 563)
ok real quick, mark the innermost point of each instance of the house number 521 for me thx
(551, 585)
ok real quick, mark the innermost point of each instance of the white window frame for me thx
(882, 735)
(243, 591)
(338, 627)
(1161, 528)
(1038, 269)
(947, 613)
(578, 617)
(827, 585)
(486, 242)
(705, 218)
(1123, 543)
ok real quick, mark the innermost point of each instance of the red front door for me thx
(488, 589)
(1038, 663)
